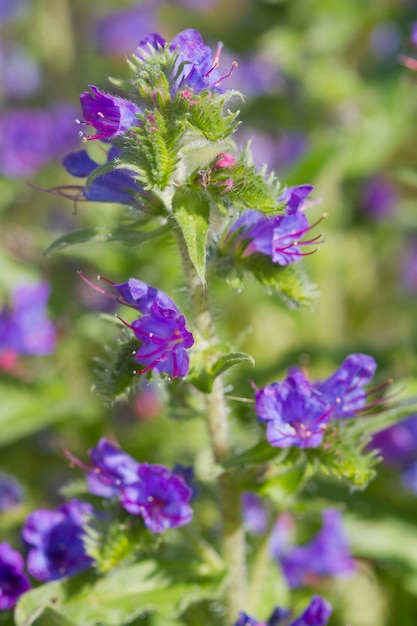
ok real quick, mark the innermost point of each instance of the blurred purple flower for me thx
(328, 554)
(379, 197)
(117, 185)
(11, 9)
(255, 514)
(111, 116)
(11, 492)
(295, 413)
(409, 266)
(54, 540)
(398, 444)
(31, 138)
(278, 151)
(119, 33)
(317, 613)
(24, 327)
(13, 581)
(414, 33)
(385, 40)
(160, 497)
(344, 389)
(20, 76)
(186, 472)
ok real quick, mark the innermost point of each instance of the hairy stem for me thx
(216, 413)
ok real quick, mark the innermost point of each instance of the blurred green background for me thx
(327, 102)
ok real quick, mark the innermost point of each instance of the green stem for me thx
(216, 413)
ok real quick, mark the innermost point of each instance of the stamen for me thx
(229, 73)
(90, 284)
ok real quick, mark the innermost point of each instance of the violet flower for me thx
(54, 540)
(196, 68)
(160, 497)
(328, 554)
(141, 296)
(295, 413)
(117, 185)
(111, 116)
(118, 33)
(379, 197)
(13, 581)
(344, 389)
(11, 492)
(112, 469)
(31, 138)
(255, 514)
(24, 326)
(317, 613)
(279, 237)
(398, 444)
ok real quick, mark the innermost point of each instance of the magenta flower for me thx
(109, 115)
(13, 581)
(54, 539)
(160, 497)
(295, 413)
(328, 554)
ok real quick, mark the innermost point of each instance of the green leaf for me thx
(33, 603)
(203, 377)
(129, 235)
(260, 453)
(115, 375)
(192, 214)
(25, 410)
(227, 361)
(285, 484)
(51, 617)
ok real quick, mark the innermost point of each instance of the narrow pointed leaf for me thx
(192, 215)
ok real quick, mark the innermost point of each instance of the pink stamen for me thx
(229, 73)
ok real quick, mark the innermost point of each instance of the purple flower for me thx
(160, 497)
(379, 197)
(113, 469)
(30, 138)
(296, 414)
(55, 543)
(24, 327)
(328, 554)
(13, 581)
(278, 237)
(11, 9)
(398, 444)
(141, 296)
(255, 514)
(109, 115)
(20, 75)
(117, 185)
(161, 330)
(118, 32)
(316, 614)
(165, 340)
(344, 389)
(196, 68)
(11, 492)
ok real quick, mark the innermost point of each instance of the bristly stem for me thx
(216, 414)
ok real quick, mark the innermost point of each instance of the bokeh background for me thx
(327, 102)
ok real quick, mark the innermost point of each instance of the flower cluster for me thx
(279, 237)
(13, 581)
(55, 541)
(159, 496)
(24, 326)
(297, 411)
(317, 613)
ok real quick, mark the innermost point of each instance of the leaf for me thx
(285, 484)
(115, 374)
(260, 453)
(25, 410)
(203, 378)
(33, 603)
(128, 235)
(192, 214)
(51, 617)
